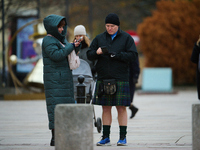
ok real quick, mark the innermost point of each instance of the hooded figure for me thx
(58, 80)
(195, 58)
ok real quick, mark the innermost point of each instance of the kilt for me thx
(120, 98)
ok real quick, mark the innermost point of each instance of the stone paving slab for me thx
(162, 122)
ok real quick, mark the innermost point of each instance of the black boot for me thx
(134, 110)
(52, 143)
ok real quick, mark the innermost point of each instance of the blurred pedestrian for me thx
(58, 81)
(134, 69)
(196, 59)
(113, 49)
(80, 33)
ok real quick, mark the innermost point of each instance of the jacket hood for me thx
(51, 22)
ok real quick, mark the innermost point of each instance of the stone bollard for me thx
(196, 126)
(73, 127)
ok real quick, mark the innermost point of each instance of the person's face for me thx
(111, 28)
(77, 37)
(60, 29)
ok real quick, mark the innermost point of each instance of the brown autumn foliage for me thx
(168, 36)
(90, 13)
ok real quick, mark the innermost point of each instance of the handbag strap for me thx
(55, 38)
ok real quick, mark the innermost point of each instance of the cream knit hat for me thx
(79, 30)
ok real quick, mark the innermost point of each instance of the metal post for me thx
(81, 93)
(90, 18)
(3, 47)
(38, 9)
(67, 11)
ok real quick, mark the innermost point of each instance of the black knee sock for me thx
(123, 132)
(106, 131)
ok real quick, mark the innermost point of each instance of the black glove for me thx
(104, 50)
(112, 54)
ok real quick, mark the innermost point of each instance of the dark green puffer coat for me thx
(58, 81)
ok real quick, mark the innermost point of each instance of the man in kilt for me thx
(112, 50)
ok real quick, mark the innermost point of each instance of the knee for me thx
(121, 109)
(106, 109)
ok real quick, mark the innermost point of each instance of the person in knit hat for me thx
(112, 19)
(79, 30)
(80, 33)
(113, 50)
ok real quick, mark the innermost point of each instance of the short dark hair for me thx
(62, 23)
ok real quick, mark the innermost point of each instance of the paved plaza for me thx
(163, 122)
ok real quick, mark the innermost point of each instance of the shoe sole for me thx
(120, 144)
(107, 144)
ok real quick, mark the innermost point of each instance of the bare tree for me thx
(131, 12)
(16, 7)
